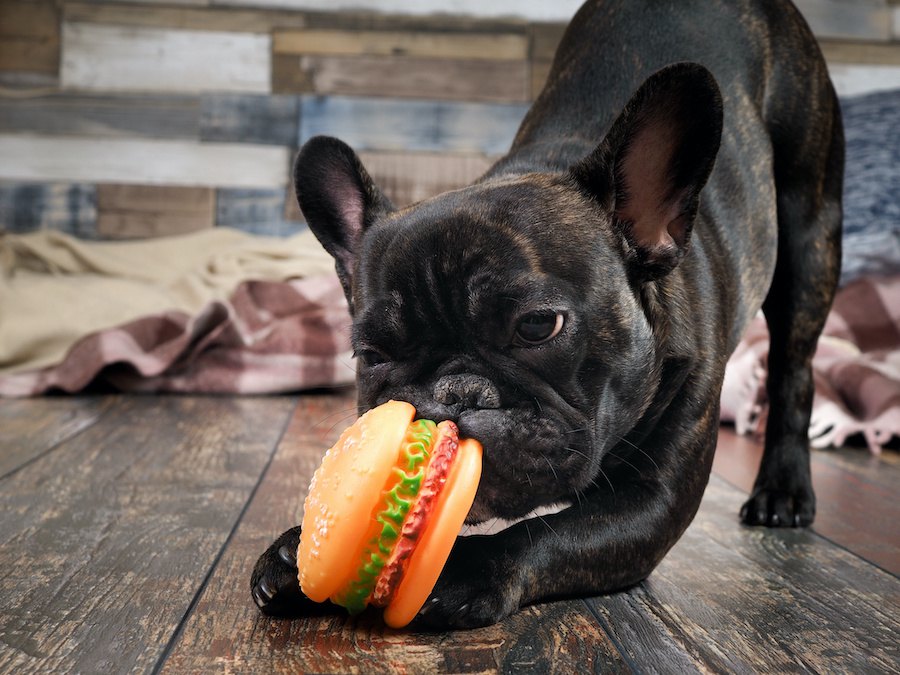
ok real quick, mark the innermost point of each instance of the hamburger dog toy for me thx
(383, 511)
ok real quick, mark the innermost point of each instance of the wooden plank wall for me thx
(147, 117)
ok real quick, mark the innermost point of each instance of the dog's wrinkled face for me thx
(514, 306)
(477, 307)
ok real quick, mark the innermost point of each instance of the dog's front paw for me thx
(274, 585)
(780, 507)
(475, 588)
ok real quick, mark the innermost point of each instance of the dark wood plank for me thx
(139, 115)
(540, 71)
(439, 23)
(840, 51)
(226, 632)
(545, 38)
(105, 541)
(32, 427)
(738, 600)
(408, 177)
(29, 36)
(420, 125)
(140, 211)
(249, 118)
(432, 44)
(405, 77)
(257, 20)
(29, 206)
(857, 502)
(856, 494)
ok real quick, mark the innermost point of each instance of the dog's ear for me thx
(654, 161)
(339, 200)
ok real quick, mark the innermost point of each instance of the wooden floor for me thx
(129, 526)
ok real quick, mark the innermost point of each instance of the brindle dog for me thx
(574, 308)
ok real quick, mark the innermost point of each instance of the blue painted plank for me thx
(248, 118)
(391, 124)
(256, 211)
(69, 207)
(141, 116)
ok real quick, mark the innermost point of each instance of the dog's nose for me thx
(467, 391)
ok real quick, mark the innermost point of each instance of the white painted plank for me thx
(856, 19)
(534, 10)
(850, 80)
(135, 58)
(196, 3)
(139, 161)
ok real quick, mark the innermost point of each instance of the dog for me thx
(575, 307)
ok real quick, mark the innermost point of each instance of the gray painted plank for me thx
(265, 120)
(735, 599)
(248, 118)
(143, 116)
(105, 541)
(32, 427)
(69, 207)
(256, 211)
(386, 124)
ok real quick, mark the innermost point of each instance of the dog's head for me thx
(513, 306)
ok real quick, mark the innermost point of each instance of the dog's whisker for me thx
(603, 473)
(343, 413)
(552, 468)
(578, 498)
(641, 450)
(548, 526)
(348, 417)
(577, 452)
(622, 459)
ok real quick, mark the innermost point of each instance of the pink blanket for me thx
(856, 370)
(268, 337)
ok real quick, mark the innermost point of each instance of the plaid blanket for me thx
(268, 337)
(856, 369)
(214, 311)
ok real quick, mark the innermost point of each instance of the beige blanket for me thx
(55, 289)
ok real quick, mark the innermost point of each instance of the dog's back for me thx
(780, 112)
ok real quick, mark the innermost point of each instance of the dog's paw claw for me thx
(446, 612)
(779, 508)
(274, 586)
(475, 589)
(288, 555)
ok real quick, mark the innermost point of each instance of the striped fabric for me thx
(856, 370)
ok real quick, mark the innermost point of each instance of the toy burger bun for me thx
(383, 512)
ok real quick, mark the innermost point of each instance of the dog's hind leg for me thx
(809, 180)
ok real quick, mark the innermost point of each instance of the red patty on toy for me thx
(383, 511)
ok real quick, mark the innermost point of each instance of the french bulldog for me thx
(574, 309)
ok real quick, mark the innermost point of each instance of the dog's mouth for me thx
(531, 460)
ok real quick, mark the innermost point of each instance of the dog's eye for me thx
(538, 327)
(370, 357)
